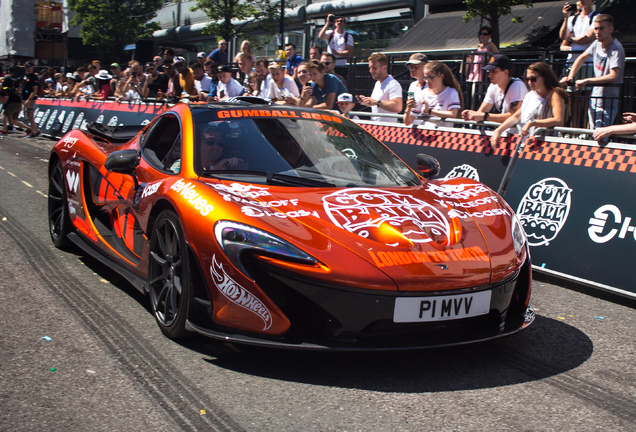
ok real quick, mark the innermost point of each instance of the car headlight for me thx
(518, 234)
(236, 239)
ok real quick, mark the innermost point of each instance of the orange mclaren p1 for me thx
(279, 226)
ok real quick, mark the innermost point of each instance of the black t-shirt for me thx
(8, 82)
(13, 97)
(160, 83)
(28, 83)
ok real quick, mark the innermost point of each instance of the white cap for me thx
(345, 97)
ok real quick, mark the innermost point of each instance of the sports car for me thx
(289, 227)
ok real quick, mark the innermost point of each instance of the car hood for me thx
(434, 237)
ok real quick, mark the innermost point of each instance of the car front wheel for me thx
(59, 221)
(169, 275)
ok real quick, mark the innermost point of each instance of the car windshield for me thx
(325, 152)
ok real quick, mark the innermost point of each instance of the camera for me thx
(570, 7)
(332, 19)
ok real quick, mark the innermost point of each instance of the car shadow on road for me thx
(547, 348)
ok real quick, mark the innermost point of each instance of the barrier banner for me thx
(575, 205)
(55, 117)
(460, 152)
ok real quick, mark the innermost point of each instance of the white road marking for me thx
(11, 174)
(28, 184)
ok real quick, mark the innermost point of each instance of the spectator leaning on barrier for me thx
(103, 91)
(261, 67)
(346, 103)
(227, 87)
(387, 92)
(282, 89)
(219, 55)
(543, 106)
(414, 98)
(339, 41)
(602, 133)
(329, 66)
(158, 61)
(443, 97)
(254, 82)
(157, 81)
(609, 65)
(246, 67)
(303, 77)
(293, 60)
(30, 85)
(324, 90)
(212, 70)
(202, 82)
(505, 93)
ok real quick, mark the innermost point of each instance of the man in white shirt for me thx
(282, 87)
(578, 32)
(505, 93)
(387, 92)
(339, 41)
(263, 72)
(415, 65)
(228, 87)
(202, 82)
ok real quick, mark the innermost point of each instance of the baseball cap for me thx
(28, 64)
(201, 55)
(225, 68)
(345, 97)
(178, 59)
(114, 65)
(498, 61)
(416, 59)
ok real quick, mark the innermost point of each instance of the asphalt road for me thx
(108, 367)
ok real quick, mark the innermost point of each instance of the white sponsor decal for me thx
(100, 119)
(360, 210)
(245, 191)
(481, 214)
(69, 142)
(78, 121)
(72, 178)
(457, 191)
(464, 170)
(145, 122)
(51, 119)
(189, 193)
(598, 231)
(44, 118)
(544, 209)
(260, 212)
(113, 121)
(237, 294)
(151, 189)
(69, 120)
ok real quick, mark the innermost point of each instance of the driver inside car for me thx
(213, 152)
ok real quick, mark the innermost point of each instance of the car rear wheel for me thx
(59, 221)
(169, 275)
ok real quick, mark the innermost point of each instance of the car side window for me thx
(162, 144)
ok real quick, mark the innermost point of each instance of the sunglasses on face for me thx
(212, 141)
(430, 78)
(484, 34)
(326, 63)
(532, 79)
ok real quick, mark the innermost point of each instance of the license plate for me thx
(441, 308)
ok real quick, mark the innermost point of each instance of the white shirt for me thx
(495, 96)
(338, 43)
(417, 91)
(265, 86)
(385, 91)
(233, 88)
(203, 85)
(288, 83)
(580, 28)
(447, 100)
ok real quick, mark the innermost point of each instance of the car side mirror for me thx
(427, 165)
(122, 161)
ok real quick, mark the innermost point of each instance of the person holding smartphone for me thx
(415, 64)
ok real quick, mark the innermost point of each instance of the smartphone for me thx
(308, 84)
(410, 95)
(570, 7)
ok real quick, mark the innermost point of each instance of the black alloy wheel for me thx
(59, 221)
(169, 275)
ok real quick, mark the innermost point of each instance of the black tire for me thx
(169, 275)
(59, 221)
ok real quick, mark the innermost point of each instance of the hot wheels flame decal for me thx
(362, 211)
(237, 294)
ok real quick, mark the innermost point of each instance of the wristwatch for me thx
(378, 103)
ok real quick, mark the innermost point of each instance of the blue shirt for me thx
(292, 63)
(332, 85)
(218, 56)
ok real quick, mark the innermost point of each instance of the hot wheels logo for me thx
(237, 294)
(598, 231)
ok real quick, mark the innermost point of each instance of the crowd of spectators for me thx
(535, 100)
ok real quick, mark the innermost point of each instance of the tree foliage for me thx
(265, 13)
(110, 25)
(491, 11)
